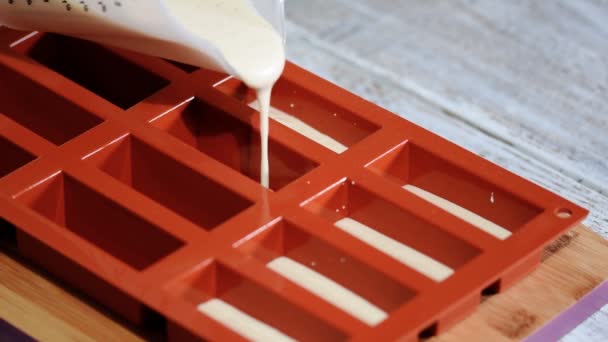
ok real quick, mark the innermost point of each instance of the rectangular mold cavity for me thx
(13, 157)
(358, 289)
(233, 142)
(399, 234)
(97, 219)
(94, 67)
(40, 110)
(319, 119)
(168, 182)
(486, 206)
(79, 278)
(218, 285)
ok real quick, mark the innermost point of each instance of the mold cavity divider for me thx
(447, 220)
(374, 258)
(382, 223)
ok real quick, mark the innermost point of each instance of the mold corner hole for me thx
(563, 213)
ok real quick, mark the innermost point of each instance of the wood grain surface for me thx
(571, 267)
(47, 311)
(574, 265)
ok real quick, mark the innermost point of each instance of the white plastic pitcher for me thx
(241, 37)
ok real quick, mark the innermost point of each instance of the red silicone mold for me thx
(134, 180)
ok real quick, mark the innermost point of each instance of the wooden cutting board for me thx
(572, 266)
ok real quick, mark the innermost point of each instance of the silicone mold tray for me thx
(134, 180)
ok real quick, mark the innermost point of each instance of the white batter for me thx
(303, 128)
(329, 290)
(250, 46)
(240, 322)
(395, 249)
(264, 103)
(460, 212)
